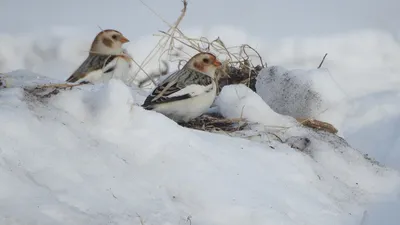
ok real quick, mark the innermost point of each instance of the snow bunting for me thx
(187, 93)
(105, 52)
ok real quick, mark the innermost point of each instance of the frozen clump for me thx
(239, 101)
(301, 93)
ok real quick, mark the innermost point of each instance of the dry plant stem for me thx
(217, 45)
(154, 75)
(239, 59)
(323, 59)
(204, 40)
(59, 85)
(161, 43)
(221, 43)
(258, 54)
(172, 37)
(100, 28)
(174, 28)
(155, 13)
(184, 36)
(233, 120)
(144, 63)
(148, 76)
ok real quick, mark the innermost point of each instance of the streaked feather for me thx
(92, 63)
(180, 85)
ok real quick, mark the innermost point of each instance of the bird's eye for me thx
(205, 60)
(114, 37)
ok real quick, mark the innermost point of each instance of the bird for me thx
(187, 93)
(104, 57)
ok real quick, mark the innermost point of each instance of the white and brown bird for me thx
(106, 54)
(187, 93)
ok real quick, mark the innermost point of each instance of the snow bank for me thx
(91, 155)
(336, 155)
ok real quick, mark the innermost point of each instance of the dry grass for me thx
(216, 123)
(173, 45)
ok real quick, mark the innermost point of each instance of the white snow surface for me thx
(91, 155)
(238, 101)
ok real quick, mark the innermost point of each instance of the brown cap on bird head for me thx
(108, 42)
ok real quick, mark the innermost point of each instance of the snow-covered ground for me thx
(91, 155)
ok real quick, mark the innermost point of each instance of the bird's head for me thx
(204, 62)
(108, 42)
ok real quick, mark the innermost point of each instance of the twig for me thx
(155, 13)
(259, 56)
(178, 21)
(59, 85)
(323, 59)
(100, 28)
(172, 37)
(155, 75)
(152, 80)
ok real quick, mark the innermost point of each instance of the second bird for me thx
(103, 58)
(187, 93)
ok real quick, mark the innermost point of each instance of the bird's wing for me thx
(181, 85)
(92, 63)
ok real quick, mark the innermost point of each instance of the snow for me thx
(387, 212)
(302, 93)
(238, 101)
(374, 127)
(92, 155)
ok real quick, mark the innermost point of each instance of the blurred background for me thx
(264, 18)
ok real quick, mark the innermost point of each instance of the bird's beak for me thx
(123, 39)
(217, 63)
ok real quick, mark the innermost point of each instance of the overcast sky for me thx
(265, 18)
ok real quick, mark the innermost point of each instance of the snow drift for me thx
(91, 155)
